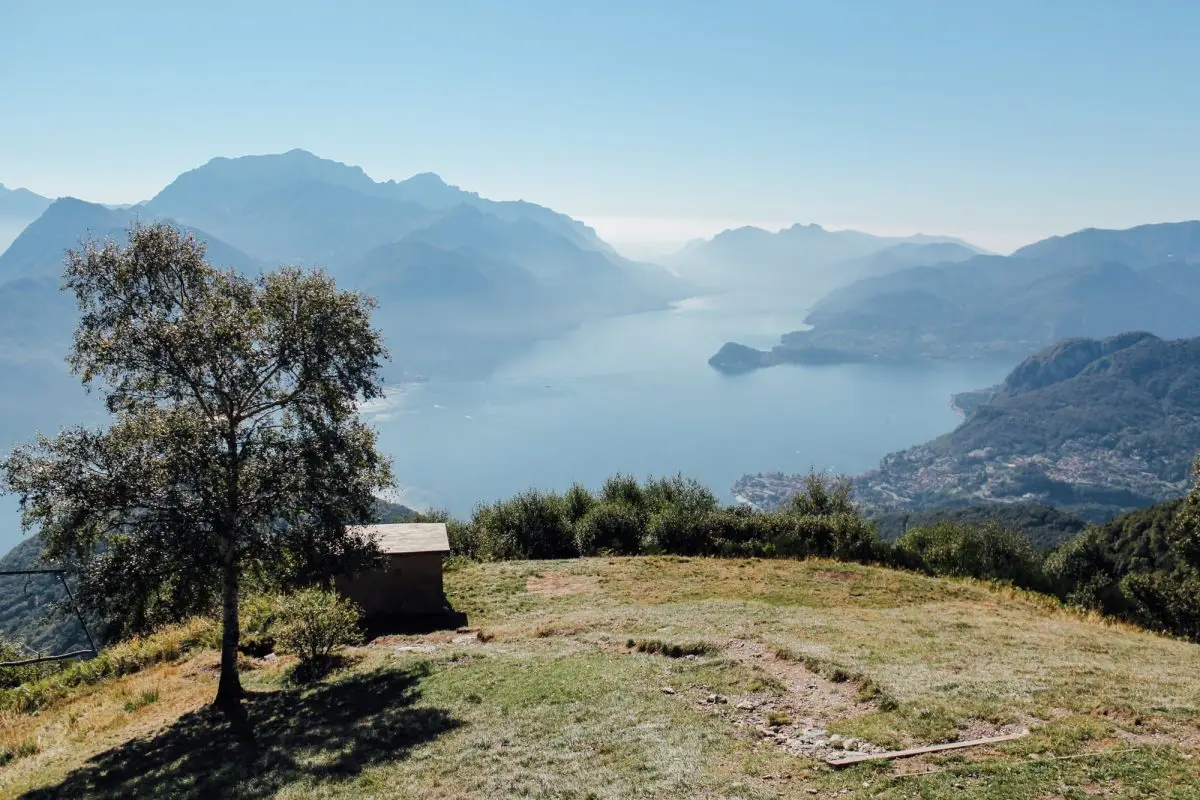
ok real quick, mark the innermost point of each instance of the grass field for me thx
(565, 686)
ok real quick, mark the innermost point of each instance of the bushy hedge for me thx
(669, 515)
(971, 551)
(1139, 568)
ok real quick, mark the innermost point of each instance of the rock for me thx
(668, 690)
(815, 733)
(850, 743)
(717, 698)
(415, 648)
(837, 737)
(747, 705)
(270, 657)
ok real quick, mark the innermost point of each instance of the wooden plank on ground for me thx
(859, 758)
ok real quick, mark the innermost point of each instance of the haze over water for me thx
(635, 394)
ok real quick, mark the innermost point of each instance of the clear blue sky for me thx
(999, 121)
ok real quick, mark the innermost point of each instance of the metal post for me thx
(78, 613)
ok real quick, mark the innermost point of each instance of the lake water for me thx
(635, 394)
(631, 394)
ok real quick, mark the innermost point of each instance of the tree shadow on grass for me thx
(326, 734)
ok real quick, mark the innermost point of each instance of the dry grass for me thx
(552, 703)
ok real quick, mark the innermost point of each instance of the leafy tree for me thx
(824, 495)
(235, 448)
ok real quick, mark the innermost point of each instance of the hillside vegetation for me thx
(544, 696)
(1046, 527)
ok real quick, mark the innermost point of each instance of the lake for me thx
(635, 394)
(629, 394)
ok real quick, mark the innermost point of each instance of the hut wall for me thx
(409, 584)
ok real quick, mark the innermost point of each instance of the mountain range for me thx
(462, 281)
(18, 208)
(1093, 283)
(806, 259)
(459, 277)
(1092, 426)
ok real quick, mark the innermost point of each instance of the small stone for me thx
(270, 657)
(747, 705)
(668, 690)
(815, 733)
(850, 743)
(811, 790)
(837, 737)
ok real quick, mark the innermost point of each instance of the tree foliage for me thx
(235, 448)
(986, 551)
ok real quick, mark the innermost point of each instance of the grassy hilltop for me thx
(545, 697)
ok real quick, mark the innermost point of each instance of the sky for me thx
(654, 121)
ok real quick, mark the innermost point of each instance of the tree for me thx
(824, 495)
(235, 450)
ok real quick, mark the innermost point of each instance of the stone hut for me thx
(409, 583)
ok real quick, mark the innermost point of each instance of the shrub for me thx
(464, 539)
(677, 532)
(312, 623)
(1167, 602)
(684, 495)
(577, 502)
(623, 489)
(823, 495)
(1082, 573)
(988, 552)
(610, 527)
(258, 614)
(531, 525)
(845, 537)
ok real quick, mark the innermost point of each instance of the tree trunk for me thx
(229, 690)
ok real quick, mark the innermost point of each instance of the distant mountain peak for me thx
(426, 179)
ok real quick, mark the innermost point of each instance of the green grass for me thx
(554, 702)
(143, 699)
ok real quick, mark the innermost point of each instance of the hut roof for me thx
(410, 537)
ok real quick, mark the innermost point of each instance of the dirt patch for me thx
(982, 729)
(796, 718)
(559, 585)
